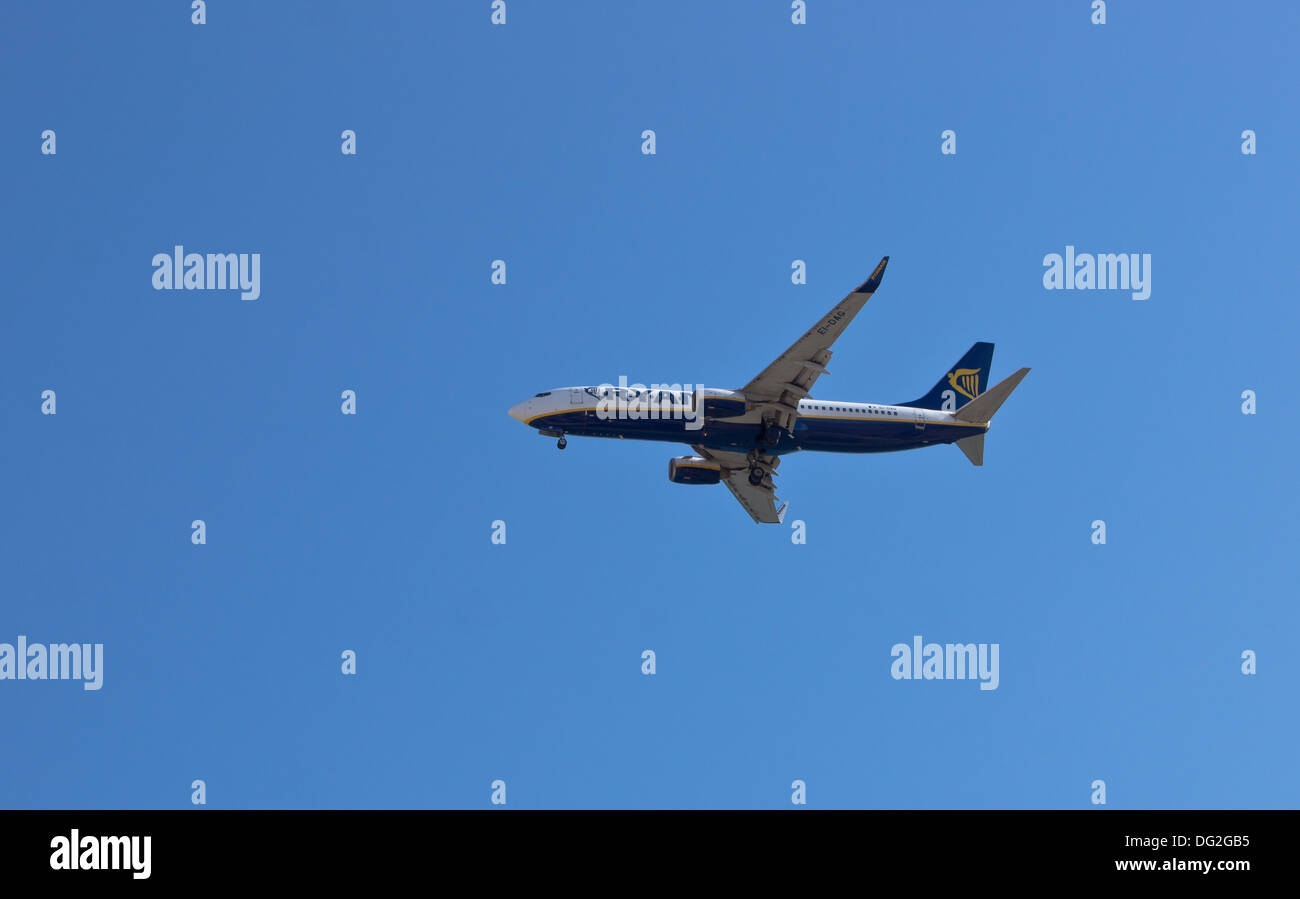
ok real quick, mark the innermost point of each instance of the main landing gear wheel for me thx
(756, 475)
(771, 435)
(561, 443)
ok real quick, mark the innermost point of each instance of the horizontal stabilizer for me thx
(973, 447)
(981, 408)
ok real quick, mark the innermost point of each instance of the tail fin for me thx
(982, 408)
(963, 382)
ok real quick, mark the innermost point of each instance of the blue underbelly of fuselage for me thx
(821, 434)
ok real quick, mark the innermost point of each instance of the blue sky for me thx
(522, 661)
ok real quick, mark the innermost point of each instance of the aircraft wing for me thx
(781, 385)
(759, 501)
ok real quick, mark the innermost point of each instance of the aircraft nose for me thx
(519, 412)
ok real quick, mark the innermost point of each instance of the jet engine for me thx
(693, 470)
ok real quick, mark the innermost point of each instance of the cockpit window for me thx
(547, 393)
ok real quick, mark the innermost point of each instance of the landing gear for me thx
(756, 475)
(771, 435)
(561, 443)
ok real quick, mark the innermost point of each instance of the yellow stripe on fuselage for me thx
(661, 417)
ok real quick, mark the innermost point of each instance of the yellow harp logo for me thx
(965, 381)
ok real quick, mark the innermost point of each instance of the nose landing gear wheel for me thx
(561, 443)
(756, 475)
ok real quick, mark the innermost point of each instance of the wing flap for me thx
(759, 500)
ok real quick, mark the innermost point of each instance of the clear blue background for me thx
(522, 662)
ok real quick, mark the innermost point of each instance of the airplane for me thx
(739, 436)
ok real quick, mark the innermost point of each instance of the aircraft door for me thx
(577, 399)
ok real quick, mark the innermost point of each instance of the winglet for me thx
(780, 513)
(870, 285)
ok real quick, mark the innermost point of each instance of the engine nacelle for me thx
(693, 470)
